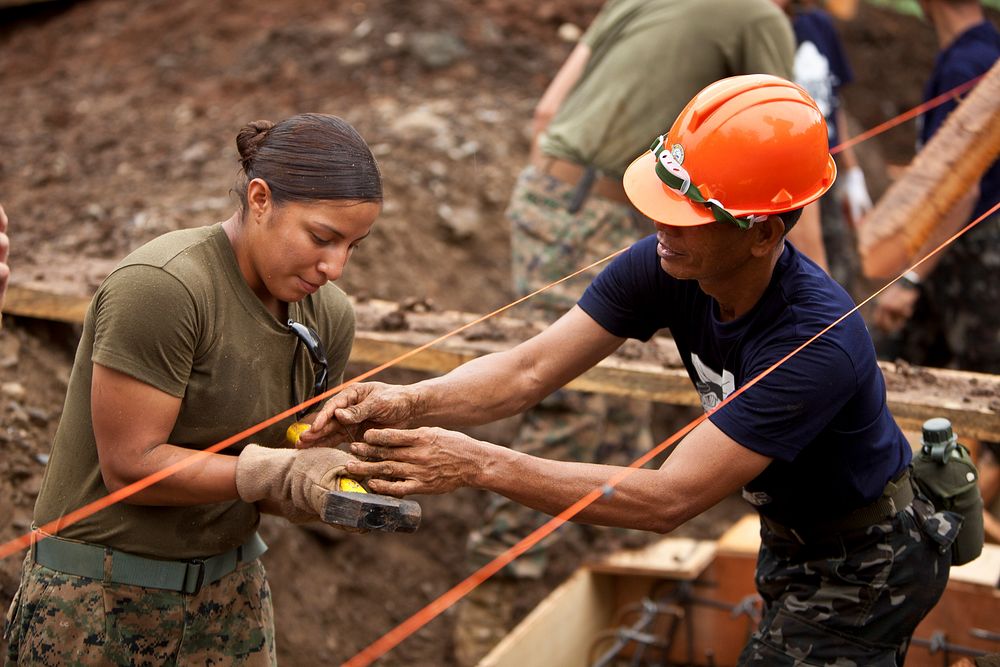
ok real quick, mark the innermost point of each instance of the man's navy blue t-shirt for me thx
(971, 54)
(822, 415)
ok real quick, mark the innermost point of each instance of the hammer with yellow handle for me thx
(351, 505)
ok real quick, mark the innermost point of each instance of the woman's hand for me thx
(347, 416)
(424, 460)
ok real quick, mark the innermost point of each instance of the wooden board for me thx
(44, 305)
(559, 631)
(984, 571)
(651, 371)
(672, 558)
(742, 538)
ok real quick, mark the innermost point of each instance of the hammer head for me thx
(370, 511)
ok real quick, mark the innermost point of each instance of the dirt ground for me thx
(119, 122)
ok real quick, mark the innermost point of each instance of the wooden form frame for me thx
(561, 630)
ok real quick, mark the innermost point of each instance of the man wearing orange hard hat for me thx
(851, 557)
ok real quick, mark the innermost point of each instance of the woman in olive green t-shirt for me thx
(196, 336)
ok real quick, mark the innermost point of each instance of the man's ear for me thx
(767, 234)
(258, 198)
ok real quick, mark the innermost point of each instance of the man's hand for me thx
(423, 460)
(4, 250)
(894, 308)
(347, 416)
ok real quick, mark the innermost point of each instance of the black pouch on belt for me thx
(945, 473)
(582, 190)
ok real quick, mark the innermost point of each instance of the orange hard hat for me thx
(744, 147)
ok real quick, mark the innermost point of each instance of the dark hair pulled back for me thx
(308, 157)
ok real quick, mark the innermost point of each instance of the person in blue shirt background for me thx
(822, 68)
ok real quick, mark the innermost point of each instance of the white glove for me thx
(855, 194)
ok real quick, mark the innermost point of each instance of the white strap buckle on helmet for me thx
(666, 159)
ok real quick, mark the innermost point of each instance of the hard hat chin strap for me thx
(676, 177)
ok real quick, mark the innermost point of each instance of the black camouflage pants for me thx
(853, 601)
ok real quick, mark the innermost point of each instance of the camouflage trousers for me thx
(548, 243)
(853, 601)
(61, 619)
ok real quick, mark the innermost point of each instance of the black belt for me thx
(185, 576)
(897, 496)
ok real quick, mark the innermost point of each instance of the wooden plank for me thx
(44, 305)
(984, 571)
(671, 557)
(612, 376)
(958, 154)
(644, 371)
(742, 538)
(560, 630)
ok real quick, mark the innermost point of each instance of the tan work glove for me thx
(289, 482)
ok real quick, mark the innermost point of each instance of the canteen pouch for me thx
(945, 473)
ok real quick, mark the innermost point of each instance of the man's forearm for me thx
(638, 501)
(506, 383)
(477, 392)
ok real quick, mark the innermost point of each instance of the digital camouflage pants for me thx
(549, 243)
(852, 602)
(61, 619)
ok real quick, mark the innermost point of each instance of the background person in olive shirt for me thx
(187, 342)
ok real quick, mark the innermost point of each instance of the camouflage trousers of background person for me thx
(548, 243)
(61, 619)
(854, 601)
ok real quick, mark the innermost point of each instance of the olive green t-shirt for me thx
(648, 59)
(177, 315)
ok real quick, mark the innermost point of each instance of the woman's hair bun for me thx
(249, 140)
